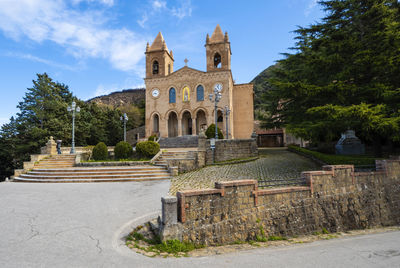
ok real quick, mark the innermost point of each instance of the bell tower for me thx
(218, 51)
(159, 61)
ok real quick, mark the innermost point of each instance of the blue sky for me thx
(97, 46)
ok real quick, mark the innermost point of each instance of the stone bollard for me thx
(170, 228)
(169, 210)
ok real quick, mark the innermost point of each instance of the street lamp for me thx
(216, 97)
(124, 118)
(74, 109)
(227, 112)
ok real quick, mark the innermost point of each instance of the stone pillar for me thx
(169, 210)
(50, 148)
(194, 126)
(180, 127)
(170, 228)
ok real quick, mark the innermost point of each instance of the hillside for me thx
(261, 84)
(121, 98)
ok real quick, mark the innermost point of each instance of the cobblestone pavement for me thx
(273, 164)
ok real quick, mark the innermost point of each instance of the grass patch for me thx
(331, 159)
(173, 247)
(276, 238)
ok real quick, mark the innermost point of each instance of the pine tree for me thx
(345, 74)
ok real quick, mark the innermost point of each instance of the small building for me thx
(177, 102)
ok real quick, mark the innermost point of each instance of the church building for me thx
(178, 103)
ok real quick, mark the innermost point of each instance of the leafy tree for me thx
(43, 113)
(345, 74)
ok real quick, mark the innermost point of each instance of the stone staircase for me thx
(187, 141)
(56, 161)
(61, 169)
(170, 155)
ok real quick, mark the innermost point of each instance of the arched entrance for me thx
(156, 124)
(172, 124)
(201, 121)
(220, 121)
(186, 123)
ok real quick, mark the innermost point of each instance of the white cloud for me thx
(104, 2)
(184, 9)
(157, 4)
(40, 60)
(311, 5)
(84, 34)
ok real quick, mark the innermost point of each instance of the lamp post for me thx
(124, 118)
(74, 109)
(216, 97)
(227, 112)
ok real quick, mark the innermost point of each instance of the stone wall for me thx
(230, 149)
(336, 198)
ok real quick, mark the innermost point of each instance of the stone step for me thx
(19, 179)
(101, 176)
(103, 169)
(144, 172)
(186, 141)
(54, 163)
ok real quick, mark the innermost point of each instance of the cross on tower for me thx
(186, 61)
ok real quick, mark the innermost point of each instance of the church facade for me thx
(177, 102)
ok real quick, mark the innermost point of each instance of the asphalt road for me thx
(82, 225)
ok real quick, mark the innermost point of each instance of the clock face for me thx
(155, 93)
(218, 87)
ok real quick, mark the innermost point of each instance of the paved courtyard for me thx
(273, 164)
(82, 225)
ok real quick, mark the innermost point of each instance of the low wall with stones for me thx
(336, 198)
(230, 149)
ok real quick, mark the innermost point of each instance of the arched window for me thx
(200, 93)
(155, 67)
(172, 95)
(217, 60)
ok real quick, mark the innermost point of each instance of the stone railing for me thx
(335, 198)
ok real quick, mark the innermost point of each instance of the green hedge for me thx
(100, 151)
(210, 132)
(147, 148)
(123, 150)
(332, 159)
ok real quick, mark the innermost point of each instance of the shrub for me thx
(122, 150)
(210, 132)
(331, 159)
(100, 151)
(147, 148)
(152, 138)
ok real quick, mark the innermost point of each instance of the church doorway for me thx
(201, 122)
(186, 123)
(156, 122)
(172, 124)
